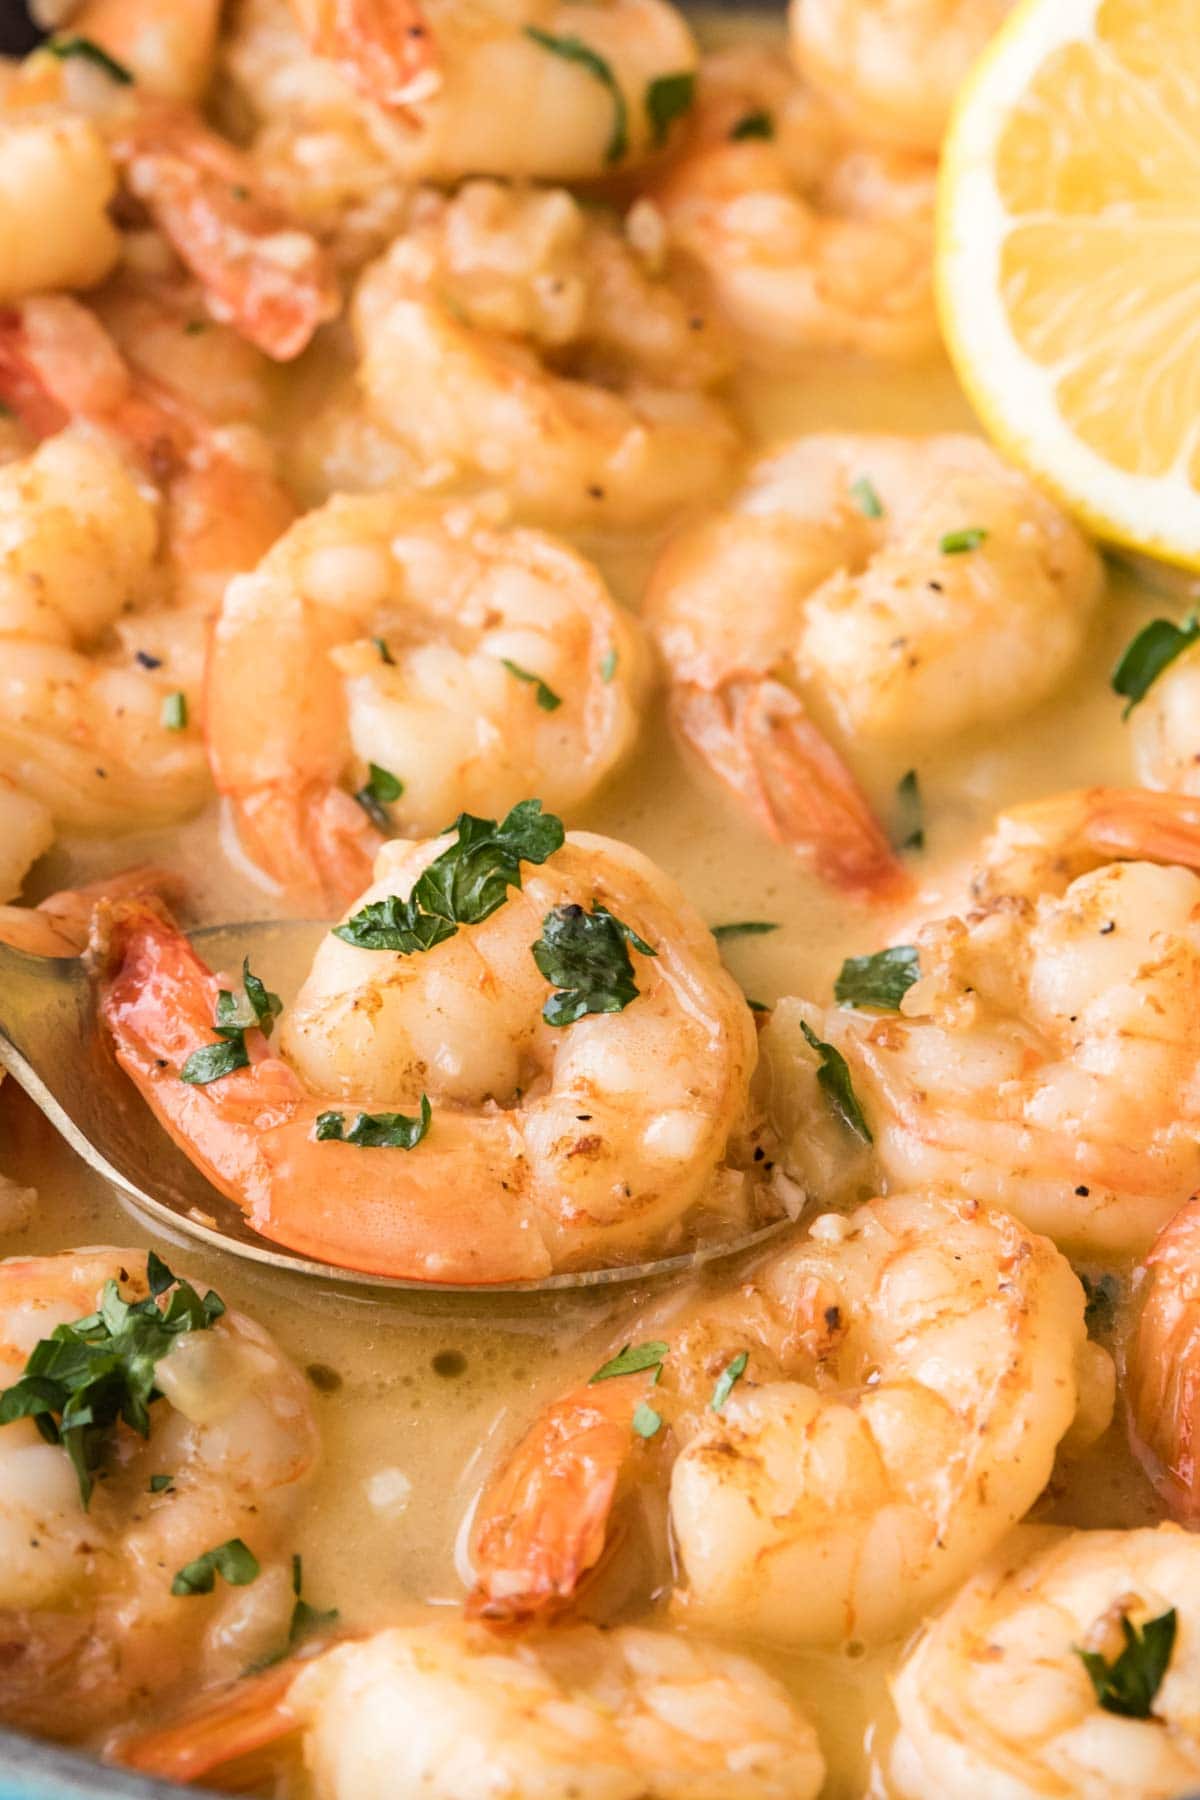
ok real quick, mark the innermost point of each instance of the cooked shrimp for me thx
(900, 588)
(440, 1710)
(475, 665)
(170, 50)
(489, 91)
(463, 329)
(1047, 1059)
(90, 1619)
(1162, 1371)
(59, 925)
(995, 1700)
(892, 67)
(1163, 734)
(547, 1147)
(806, 242)
(56, 182)
(904, 1376)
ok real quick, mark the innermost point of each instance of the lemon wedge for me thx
(1069, 259)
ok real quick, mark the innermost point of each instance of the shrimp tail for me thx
(384, 47)
(757, 739)
(545, 1520)
(59, 926)
(313, 836)
(247, 1717)
(1163, 1373)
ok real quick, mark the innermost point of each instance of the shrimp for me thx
(57, 181)
(892, 68)
(841, 1437)
(805, 242)
(439, 1709)
(91, 1617)
(1162, 728)
(465, 327)
(474, 664)
(59, 925)
(901, 588)
(995, 1699)
(170, 50)
(546, 1146)
(1046, 1060)
(1162, 1374)
(430, 92)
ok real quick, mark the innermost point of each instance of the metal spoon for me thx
(52, 1044)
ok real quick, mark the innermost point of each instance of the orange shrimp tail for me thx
(248, 1717)
(385, 47)
(757, 739)
(22, 388)
(69, 913)
(544, 1520)
(311, 839)
(1163, 1373)
(260, 271)
(1139, 824)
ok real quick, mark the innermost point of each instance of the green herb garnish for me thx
(175, 712)
(194, 327)
(237, 1014)
(608, 665)
(376, 1131)
(233, 1561)
(744, 928)
(385, 655)
(668, 97)
(1153, 649)
(1128, 1684)
(586, 957)
(957, 543)
(379, 790)
(881, 979)
(634, 1359)
(161, 1484)
(834, 1076)
(82, 48)
(305, 1618)
(911, 819)
(753, 125)
(573, 49)
(1100, 1309)
(732, 1373)
(463, 886)
(547, 699)
(866, 498)
(87, 1375)
(645, 1420)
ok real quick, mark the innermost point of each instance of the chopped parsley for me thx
(753, 125)
(89, 1374)
(547, 699)
(376, 1131)
(380, 789)
(911, 813)
(1153, 649)
(237, 1014)
(608, 665)
(233, 1561)
(385, 655)
(573, 49)
(1128, 1684)
(634, 1359)
(72, 45)
(193, 327)
(645, 1420)
(1103, 1292)
(586, 957)
(305, 1618)
(729, 1375)
(833, 1075)
(463, 886)
(866, 498)
(744, 928)
(175, 712)
(161, 1484)
(668, 97)
(957, 543)
(881, 979)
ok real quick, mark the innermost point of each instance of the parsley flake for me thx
(161, 1484)
(547, 699)
(255, 1007)
(645, 1420)
(1127, 1685)
(866, 498)
(910, 822)
(233, 1561)
(1153, 649)
(668, 97)
(957, 543)
(1103, 1293)
(753, 125)
(608, 666)
(380, 789)
(385, 655)
(586, 957)
(729, 1375)
(744, 928)
(634, 1359)
(881, 979)
(573, 49)
(83, 48)
(834, 1076)
(376, 1131)
(175, 712)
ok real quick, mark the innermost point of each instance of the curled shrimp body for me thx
(892, 68)
(510, 336)
(995, 1700)
(1162, 1373)
(1162, 729)
(903, 1378)
(1046, 1060)
(441, 1710)
(548, 1146)
(835, 585)
(89, 1618)
(56, 182)
(806, 242)
(474, 664)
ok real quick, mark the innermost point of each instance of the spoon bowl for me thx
(52, 1044)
